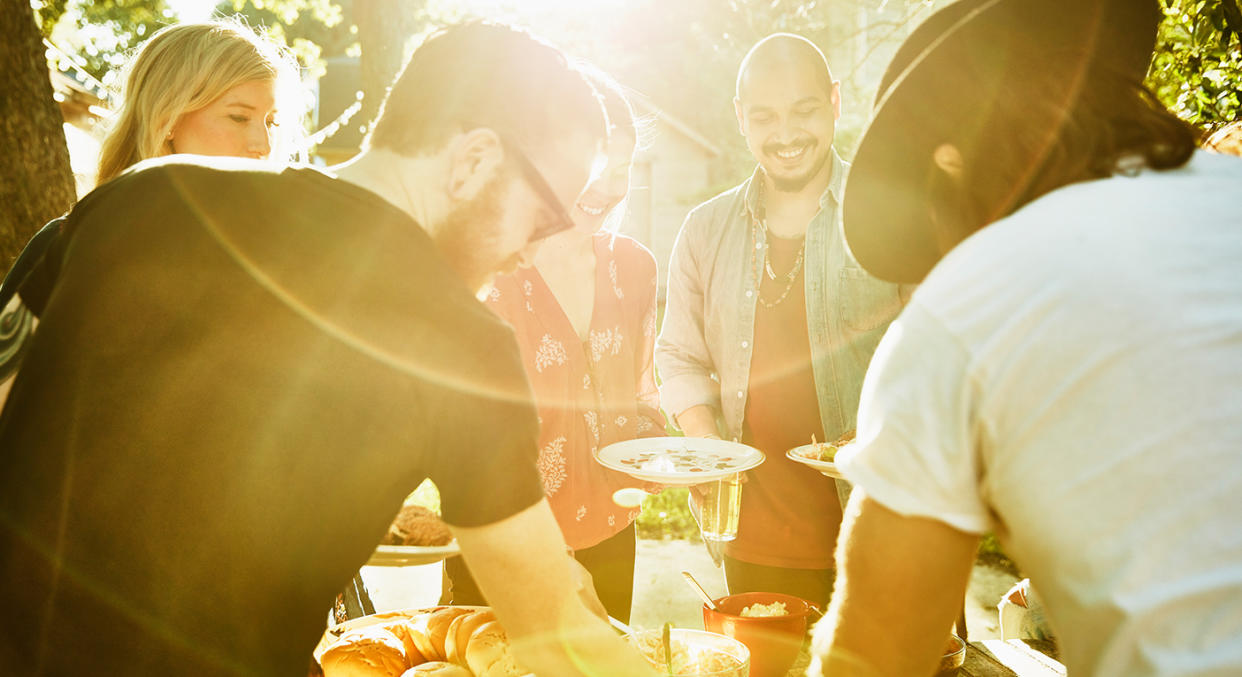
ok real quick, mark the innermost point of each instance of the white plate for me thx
(678, 461)
(807, 454)
(411, 555)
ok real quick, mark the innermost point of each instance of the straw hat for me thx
(978, 93)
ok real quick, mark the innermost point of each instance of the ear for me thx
(474, 158)
(737, 110)
(835, 97)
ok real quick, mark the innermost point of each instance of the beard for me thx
(467, 237)
(794, 184)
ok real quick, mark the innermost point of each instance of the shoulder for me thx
(716, 213)
(630, 252)
(729, 201)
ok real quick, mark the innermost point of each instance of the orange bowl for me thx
(774, 641)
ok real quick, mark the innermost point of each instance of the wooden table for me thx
(1009, 657)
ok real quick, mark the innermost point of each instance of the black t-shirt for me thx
(238, 376)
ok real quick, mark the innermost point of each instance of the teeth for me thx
(593, 211)
(789, 154)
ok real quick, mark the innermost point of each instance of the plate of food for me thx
(448, 640)
(694, 653)
(821, 455)
(416, 536)
(679, 461)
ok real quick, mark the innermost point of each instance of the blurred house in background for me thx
(83, 104)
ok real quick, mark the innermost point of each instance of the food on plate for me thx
(437, 630)
(450, 641)
(371, 651)
(487, 653)
(844, 439)
(437, 669)
(459, 633)
(773, 609)
(688, 658)
(416, 525)
(817, 451)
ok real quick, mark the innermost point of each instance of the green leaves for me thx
(1197, 69)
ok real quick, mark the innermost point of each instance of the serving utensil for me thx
(694, 583)
(668, 647)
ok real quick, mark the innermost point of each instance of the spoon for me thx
(668, 647)
(707, 599)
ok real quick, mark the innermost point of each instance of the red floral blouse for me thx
(589, 393)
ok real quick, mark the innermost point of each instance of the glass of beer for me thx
(721, 507)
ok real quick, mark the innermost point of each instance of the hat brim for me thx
(1005, 70)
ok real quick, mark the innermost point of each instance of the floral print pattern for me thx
(588, 392)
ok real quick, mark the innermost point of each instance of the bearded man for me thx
(244, 369)
(770, 324)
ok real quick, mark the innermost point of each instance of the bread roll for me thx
(436, 630)
(406, 632)
(487, 653)
(459, 633)
(371, 651)
(437, 669)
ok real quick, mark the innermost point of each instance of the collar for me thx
(832, 193)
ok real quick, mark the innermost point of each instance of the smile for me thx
(594, 204)
(791, 154)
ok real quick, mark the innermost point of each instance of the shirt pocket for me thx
(866, 303)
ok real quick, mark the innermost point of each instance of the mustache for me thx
(796, 144)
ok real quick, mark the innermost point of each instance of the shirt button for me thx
(749, 293)
(758, 245)
(745, 344)
(740, 394)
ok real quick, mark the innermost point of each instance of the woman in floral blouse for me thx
(584, 316)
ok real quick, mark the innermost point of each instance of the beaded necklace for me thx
(759, 223)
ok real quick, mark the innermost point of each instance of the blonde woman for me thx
(212, 88)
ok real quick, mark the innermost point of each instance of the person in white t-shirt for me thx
(1068, 376)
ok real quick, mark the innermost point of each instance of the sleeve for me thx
(648, 396)
(681, 352)
(35, 271)
(482, 432)
(917, 444)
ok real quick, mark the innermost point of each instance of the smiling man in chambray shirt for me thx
(770, 324)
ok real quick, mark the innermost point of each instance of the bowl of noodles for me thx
(695, 653)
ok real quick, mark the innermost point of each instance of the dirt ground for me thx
(660, 592)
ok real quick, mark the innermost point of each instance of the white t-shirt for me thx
(1071, 378)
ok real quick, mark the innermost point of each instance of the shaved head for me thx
(780, 51)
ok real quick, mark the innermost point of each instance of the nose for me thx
(789, 129)
(259, 143)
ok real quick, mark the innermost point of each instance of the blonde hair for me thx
(183, 68)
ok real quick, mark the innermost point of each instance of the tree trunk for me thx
(36, 183)
(384, 26)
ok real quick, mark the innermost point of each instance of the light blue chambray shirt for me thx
(704, 348)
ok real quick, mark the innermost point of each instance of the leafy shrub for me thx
(666, 515)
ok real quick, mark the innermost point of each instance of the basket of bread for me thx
(448, 641)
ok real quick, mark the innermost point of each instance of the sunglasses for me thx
(534, 178)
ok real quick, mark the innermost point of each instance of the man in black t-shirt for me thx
(242, 370)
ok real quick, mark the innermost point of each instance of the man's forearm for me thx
(899, 586)
(521, 566)
(699, 421)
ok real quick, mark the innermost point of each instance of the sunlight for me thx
(193, 10)
(489, 7)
